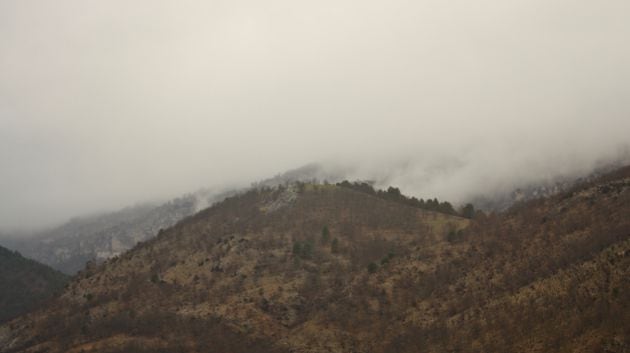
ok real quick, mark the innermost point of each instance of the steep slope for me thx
(547, 275)
(25, 284)
(323, 268)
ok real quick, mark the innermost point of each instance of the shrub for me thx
(372, 267)
(334, 246)
(386, 259)
(297, 248)
(468, 211)
(325, 235)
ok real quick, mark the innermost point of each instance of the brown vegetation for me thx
(258, 271)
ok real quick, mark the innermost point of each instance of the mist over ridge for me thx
(148, 101)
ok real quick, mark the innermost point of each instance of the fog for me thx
(108, 103)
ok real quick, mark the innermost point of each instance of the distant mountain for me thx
(339, 268)
(25, 284)
(97, 238)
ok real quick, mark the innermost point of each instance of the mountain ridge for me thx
(70, 246)
(546, 275)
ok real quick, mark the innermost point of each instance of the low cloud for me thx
(105, 104)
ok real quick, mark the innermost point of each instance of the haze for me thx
(108, 103)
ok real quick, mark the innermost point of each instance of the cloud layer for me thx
(104, 104)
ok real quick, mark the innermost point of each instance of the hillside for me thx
(69, 247)
(25, 284)
(326, 268)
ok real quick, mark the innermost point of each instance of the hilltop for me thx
(68, 247)
(330, 268)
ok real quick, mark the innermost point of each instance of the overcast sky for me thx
(107, 103)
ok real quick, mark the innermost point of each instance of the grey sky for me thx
(107, 103)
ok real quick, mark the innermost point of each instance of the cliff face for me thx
(323, 268)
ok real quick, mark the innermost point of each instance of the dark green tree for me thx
(334, 246)
(468, 211)
(395, 192)
(307, 250)
(386, 259)
(325, 235)
(297, 248)
(372, 267)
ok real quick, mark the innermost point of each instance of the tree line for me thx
(394, 194)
